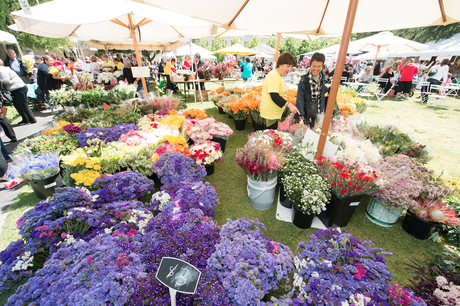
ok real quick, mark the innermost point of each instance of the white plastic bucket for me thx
(262, 194)
(378, 213)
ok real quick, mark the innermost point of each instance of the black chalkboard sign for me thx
(179, 275)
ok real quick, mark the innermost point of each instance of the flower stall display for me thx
(176, 167)
(305, 188)
(206, 153)
(104, 134)
(60, 141)
(195, 113)
(405, 180)
(80, 171)
(279, 140)
(108, 78)
(348, 188)
(220, 133)
(425, 215)
(334, 268)
(261, 164)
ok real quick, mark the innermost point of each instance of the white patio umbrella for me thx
(385, 41)
(193, 49)
(129, 44)
(8, 38)
(109, 20)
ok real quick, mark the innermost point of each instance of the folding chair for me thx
(383, 81)
(343, 79)
(365, 92)
(425, 91)
(381, 95)
(440, 98)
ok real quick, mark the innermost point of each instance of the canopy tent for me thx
(371, 56)
(237, 49)
(334, 49)
(263, 55)
(264, 48)
(187, 50)
(7, 38)
(385, 41)
(444, 47)
(124, 20)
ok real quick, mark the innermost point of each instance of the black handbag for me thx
(6, 94)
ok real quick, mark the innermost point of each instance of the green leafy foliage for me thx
(255, 41)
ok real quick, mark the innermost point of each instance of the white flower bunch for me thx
(163, 197)
(25, 261)
(134, 218)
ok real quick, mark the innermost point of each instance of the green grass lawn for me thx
(437, 129)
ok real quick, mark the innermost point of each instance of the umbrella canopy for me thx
(263, 55)
(187, 50)
(107, 20)
(128, 45)
(316, 17)
(371, 56)
(443, 47)
(385, 41)
(237, 49)
(335, 49)
(264, 48)
(7, 38)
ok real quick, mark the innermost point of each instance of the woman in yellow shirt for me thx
(118, 64)
(106, 61)
(170, 68)
(272, 104)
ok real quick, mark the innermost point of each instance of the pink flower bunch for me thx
(134, 138)
(45, 231)
(361, 272)
(89, 259)
(122, 260)
(123, 215)
(131, 232)
(206, 152)
(71, 129)
(260, 162)
(402, 296)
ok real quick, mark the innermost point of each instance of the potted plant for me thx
(261, 164)
(240, 112)
(41, 171)
(423, 217)
(306, 189)
(220, 133)
(206, 153)
(348, 187)
(80, 171)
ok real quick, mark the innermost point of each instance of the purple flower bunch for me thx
(332, 267)
(247, 263)
(190, 236)
(177, 167)
(9, 259)
(122, 186)
(105, 134)
(72, 129)
(189, 195)
(102, 271)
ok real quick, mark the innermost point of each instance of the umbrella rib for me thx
(322, 18)
(410, 47)
(239, 11)
(141, 24)
(443, 12)
(177, 31)
(217, 36)
(117, 21)
(73, 32)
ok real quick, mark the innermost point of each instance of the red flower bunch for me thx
(346, 181)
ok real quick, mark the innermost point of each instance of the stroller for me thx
(37, 97)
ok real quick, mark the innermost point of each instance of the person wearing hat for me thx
(29, 59)
(38, 62)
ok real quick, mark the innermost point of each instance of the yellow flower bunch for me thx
(172, 121)
(195, 113)
(453, 183)
(175, 140)
(59, 127)
(53, 70)
(85, 177)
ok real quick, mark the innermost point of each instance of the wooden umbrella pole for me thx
(136, 49)
(375, 59)
(352, 8)
(278, 40)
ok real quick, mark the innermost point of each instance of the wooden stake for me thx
(136, 48)
(352, 8)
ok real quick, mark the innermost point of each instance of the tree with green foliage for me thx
(236, 41)
(202, 42)
(217, 44)
(24, 39)
(255, 41)
(272, 42)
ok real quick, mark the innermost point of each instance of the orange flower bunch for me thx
(226, 93)
(218, 90)
(345, 104)
(195, 113)
(252, 101)
(239, 91)
(257, 89)
(173, 112)
(291, 96)
(240, 105)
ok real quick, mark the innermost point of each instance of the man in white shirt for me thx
(365, 77)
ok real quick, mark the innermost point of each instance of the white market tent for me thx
(264, 48)
(7, 38)
(371, 56)
(444, 47)
(185, 50)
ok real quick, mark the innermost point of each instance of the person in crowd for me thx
(5, 122)
(408, 70)
(140, 86)
(106, 62)
(118, 64)
(45, 79)
(170, 69)
(272, 104)
(377, 68)
(365, 77)
(197, 63)
(38, 61)
(311, 91)
(94, 66)
(187, 62)
(387, 73)
(127, 72)
(247, 69)
(399, 64)
(57, 63)
(436, 75)
(69, 66)
(18, 89)
(29, 59)
(345, 74)
(17, 65)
